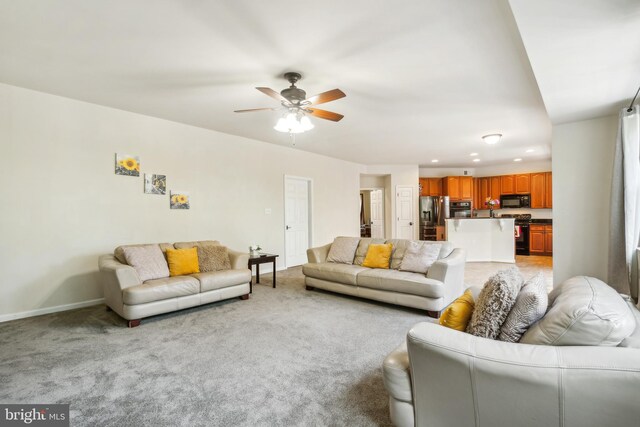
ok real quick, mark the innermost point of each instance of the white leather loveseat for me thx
(442, 377)
(134, 299)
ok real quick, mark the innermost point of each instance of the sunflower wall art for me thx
(155, 184)
(127, 165)
(179, 200)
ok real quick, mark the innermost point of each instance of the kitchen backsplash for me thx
(535, 213)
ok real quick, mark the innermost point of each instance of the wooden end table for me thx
(261, 259)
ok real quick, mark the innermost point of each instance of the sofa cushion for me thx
(343, 250)
(213, 258)
(633, 340)
(363, 247)
(583, 311)
(147, 260)
(531, 305)
(458, 313)
(494, 303)
(333, 272)
(119, 251)
(195, 244)
(222, 279)
(401, 281)
(419, 256)
(160, 289)
(182, 261)
(400, 247)
(378, 256)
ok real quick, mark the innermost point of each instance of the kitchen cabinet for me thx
(540, 239)
(451, 187)
(484, 191)
(495, 187)
(466, 187)
(431, 186)
(476, 193)
(508, 184)
(523, 183)
(541, 195)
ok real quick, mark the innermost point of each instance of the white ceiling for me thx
(424, 79)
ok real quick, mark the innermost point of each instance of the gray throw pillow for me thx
(530, 306)
(419, 256)
(494, 303)
(213, 258)
(148, 261)
(343, 250)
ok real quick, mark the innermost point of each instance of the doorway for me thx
(405, 208)
(372, 212)
(297, 219)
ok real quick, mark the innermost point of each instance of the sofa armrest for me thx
(319, 254)
(239, 260)
(485, 374)
(117, 275)
(397, 375)
(450, 271)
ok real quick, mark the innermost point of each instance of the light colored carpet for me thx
(284, 357)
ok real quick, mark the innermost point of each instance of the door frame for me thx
(384, 210)
(309, 211)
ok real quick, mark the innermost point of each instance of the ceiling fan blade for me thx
(254, 109)
(324, 114)
(328, 96)
(272, 93)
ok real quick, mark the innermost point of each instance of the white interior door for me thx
(296, 219)
(404, 212)
(377, 214)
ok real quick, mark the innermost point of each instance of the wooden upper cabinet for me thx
(523, 183)
(476, 193)
(424, 186)
(451, 187)
(495, 187)
(508, 184)
(466, 187)
(484, 191)
(431, 186)
(538, 187)
(548, 193)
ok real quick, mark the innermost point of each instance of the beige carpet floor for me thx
(285, 357)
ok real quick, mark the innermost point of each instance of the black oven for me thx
(514, 201)
(460, 209)
(522, 237)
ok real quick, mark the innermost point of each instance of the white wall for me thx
(64, 206)
(505, 169)
(582, 154)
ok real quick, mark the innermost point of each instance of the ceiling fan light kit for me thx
(294, 100)
(493, 138)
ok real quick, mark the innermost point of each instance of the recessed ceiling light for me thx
(476, 160)
(530, 150)
(517, 160)
(473, 154)
(434, 161)
(493, 138)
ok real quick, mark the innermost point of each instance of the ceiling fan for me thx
(294, 100)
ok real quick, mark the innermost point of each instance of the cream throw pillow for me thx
(494, 303)
(343, 250)
(148, 261)
(530, 306)
(213, 258)
(419, 256)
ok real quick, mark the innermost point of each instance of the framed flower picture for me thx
(127, 165)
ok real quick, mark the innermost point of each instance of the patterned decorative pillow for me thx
(343, 249)
(148, 261)
(213, 258)
(419, 256)
(531, 305)
(494, 303)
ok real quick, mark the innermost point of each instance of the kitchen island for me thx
(484, 239)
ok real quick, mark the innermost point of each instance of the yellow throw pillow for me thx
(182, 261)
(458, 313)
(378, 256)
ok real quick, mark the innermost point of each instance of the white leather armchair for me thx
(443, 377)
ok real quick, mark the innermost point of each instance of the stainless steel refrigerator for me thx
(433, 211)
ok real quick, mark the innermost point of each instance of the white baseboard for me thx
(48, 310)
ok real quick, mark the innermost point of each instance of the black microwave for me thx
(514, 201)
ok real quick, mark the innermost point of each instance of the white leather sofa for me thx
(133, 299)
(443, 377)
(432, 292)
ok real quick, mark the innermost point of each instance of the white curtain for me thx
(625, 205)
